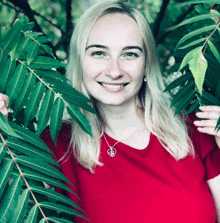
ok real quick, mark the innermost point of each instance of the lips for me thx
(116, 87)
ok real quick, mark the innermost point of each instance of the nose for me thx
(114, 70)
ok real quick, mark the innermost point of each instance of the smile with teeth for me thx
(113, 87)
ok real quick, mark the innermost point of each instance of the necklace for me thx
(112, 151)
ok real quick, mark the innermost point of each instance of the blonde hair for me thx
(159, 117)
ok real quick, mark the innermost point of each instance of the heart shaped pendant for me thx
(111, 152)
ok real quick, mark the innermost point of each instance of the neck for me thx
(122, 121)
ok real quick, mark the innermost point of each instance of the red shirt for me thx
(143, 185)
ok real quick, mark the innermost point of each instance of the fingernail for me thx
(196, 122)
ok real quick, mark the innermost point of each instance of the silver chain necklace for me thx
(112, 151)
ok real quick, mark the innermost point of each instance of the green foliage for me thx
(38, 95)
(198, 53)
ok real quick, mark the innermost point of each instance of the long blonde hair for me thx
(159, 117)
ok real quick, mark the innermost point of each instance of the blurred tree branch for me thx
(159, 39)
(160, 17)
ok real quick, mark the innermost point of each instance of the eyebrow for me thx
(105, 47)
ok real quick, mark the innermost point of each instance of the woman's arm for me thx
(214, 185)
(211, 115)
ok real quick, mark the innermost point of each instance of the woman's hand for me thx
(4, 104)
(211, 113)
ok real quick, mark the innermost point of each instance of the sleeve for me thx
(205, 146)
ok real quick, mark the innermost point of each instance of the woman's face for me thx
(114, 62)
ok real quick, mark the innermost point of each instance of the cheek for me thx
(92, 67)
(135, 70)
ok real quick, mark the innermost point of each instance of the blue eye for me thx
(131, 55)
(98, 53)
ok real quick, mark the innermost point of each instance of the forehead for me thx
(115, 29)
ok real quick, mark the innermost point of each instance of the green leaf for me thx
(54, 195)
(46, 49)
(182, 91)
(198, 2)
(61, 208)
(30, 150)
(81, 104)
(58, 220)
(33, 102)
(18, 216)
(217, 127)
(33, 52)
(12, 36)
(45, 110)
(6, 128)
(3, 59)
(179, 81)
(214, 50)
(32, 174)
(32, 216)
(25, 92)
(43, 39)
(185, 101)
(77, 116)
(189, 56)
(8, 204)
(194, 33)
(198, 66)
(28, 27)
(56, 118)
(51, 74)
(5, 75)
(5, 173)
(195, 19)
(2, 153)
(193, 106)
(65, 89)
(42, 62)
(42, 167)
(22, 48)
(208, 99)
(30, 137)
(193, 43)
(16, 82)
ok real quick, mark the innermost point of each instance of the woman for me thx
(141, 164)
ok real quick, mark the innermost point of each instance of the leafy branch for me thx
(22, 175)
(38, 95)
(194, 87)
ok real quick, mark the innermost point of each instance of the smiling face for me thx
(114, 62)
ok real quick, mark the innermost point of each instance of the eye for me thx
(98, 54)
(130, 55)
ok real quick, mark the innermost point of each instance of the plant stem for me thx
(22, 175)
(208, 38)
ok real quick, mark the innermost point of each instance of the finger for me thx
(209, 130)
(210, 108)
(4, 111)
(4, 98)
(205, 123)
(208, 115)
(2, 104)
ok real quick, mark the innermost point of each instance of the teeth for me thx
(113, 86)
